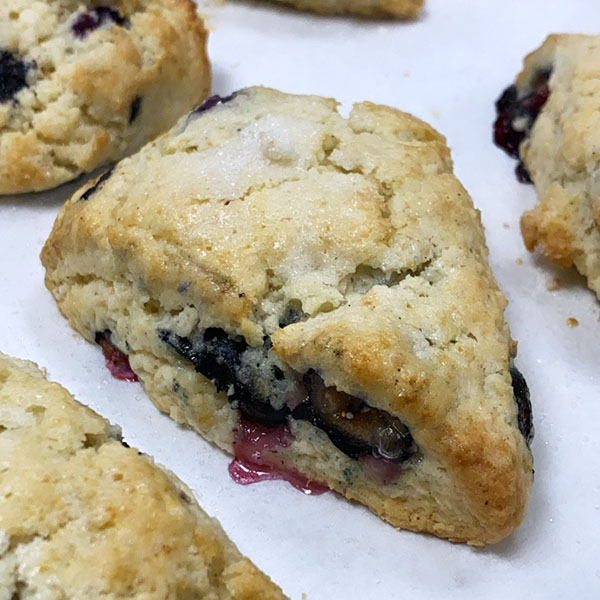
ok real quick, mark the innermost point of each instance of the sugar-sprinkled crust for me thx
(562, 155)
(84, 83)
(347, 244)
(364, 8)
(83, 516)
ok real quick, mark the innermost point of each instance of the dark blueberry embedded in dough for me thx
(97, 185)
(204, 107)
(250, 376)
(96, 17)
(13, 75)
(353, 426)
(268, 392)
(523, 401)
(212, 102)
(134, 109)
(292, 314)
(522, 173)
(517, 114)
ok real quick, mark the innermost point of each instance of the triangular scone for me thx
(364, 8)
(550, 120)
(82, 515)
(276, 272)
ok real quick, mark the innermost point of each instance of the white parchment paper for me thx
(447, 68)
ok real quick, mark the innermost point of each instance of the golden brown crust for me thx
(92, 100)
(551, 231)
(360, 223)
(83, 516)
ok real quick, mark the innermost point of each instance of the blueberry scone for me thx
(83, 515)
(312, 294)
(364, 8)
(550, 121)
(84, 83)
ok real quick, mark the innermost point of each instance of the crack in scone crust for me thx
(83, 84)
(86, 516)
(347, 245)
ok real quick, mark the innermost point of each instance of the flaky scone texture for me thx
(563, 155)
(85, 82)
(271, 201)
(363, 8)
(83, 516)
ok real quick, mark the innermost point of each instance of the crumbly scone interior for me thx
(365, 8)
(92, 98)
(270, 205)
(83, 516)
(562, 154)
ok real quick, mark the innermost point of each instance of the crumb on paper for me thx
(304, 596)
(506, 225)
(519, 261)
(553, 284)
(435, 113)
(406, 73)
(572, 322)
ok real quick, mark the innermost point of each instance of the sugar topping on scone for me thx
(558, 143)
(84, 83)
(82, 515)
(311, 293)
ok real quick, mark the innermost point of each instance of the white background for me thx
(447, 68)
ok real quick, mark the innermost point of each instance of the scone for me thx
(550, 120)
(363, 8)
(84, 83)
(312, 294)
(83, 515)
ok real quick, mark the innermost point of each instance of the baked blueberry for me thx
(353, 426)
(516, 114)
(97, 185)
(135, 108)
(258, 386)
(87, 22)
(292, 314)
(13, 74)
(523, 401)
(212, 102)
(249, 376)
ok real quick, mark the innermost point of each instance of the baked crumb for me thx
(519, 261)
(553, 284)
(506, 225)
(572, 322)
